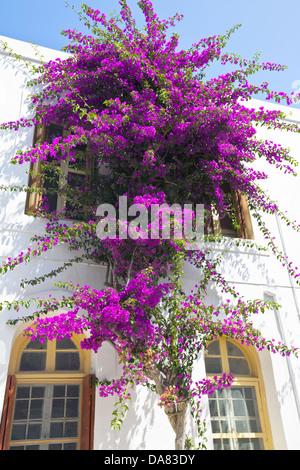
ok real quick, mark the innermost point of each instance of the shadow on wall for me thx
(15, 175)
(145, 426)
(238, 267)
(14, 104)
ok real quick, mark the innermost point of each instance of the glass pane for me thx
(213, 407)
(239, 408)
(238, 366)
(217, 444)
(63, 446)
(58, 408)
(221, 444)
(241, 426)
(249, 392)
(67, 361)
(251, 411)
(226, 444)
(76, 181)
(33, 361)
(36, 409)
(21, 409)
(233, 350)
(244, 444)
(71, 429)
(258, 444)
(80, 158)
(59, 390)
(77, 185)
(222, 393)
(50, 176)
(225, 426)
(213, 365)
(227, 228)
(53, 131)
(214, 348)
(250, 444)
(34, 431)
(237, 392)
(254, 425)
(29, 447)
(65, 343)
(37, 392)
(50, 186)
(56, 429)
(215, 426)
(23, 392)
(72, 408)
(223, 408)
(55, 447)
(70, 446)
(18, 432)
(37, 345)
(73, 390)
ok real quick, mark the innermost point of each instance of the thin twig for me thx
(130, 267)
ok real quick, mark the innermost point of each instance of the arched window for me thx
(239, 418)
(50, 397)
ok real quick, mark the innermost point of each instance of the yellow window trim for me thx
(20, 344)
(255, 379)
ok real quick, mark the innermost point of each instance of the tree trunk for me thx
(177, 418)
(176, 413)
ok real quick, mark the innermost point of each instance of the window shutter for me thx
(88, 411)
(33, 199)
(225, 227)
(7, 411)
(243, 216)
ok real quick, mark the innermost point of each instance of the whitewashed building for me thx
(49, 407)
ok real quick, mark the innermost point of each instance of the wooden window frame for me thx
(243, 218)
(83, 377)
(35, 180)
(253, 379)
(33, 199)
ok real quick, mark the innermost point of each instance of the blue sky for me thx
(271, 26)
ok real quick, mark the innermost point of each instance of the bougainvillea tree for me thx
(154, 132)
